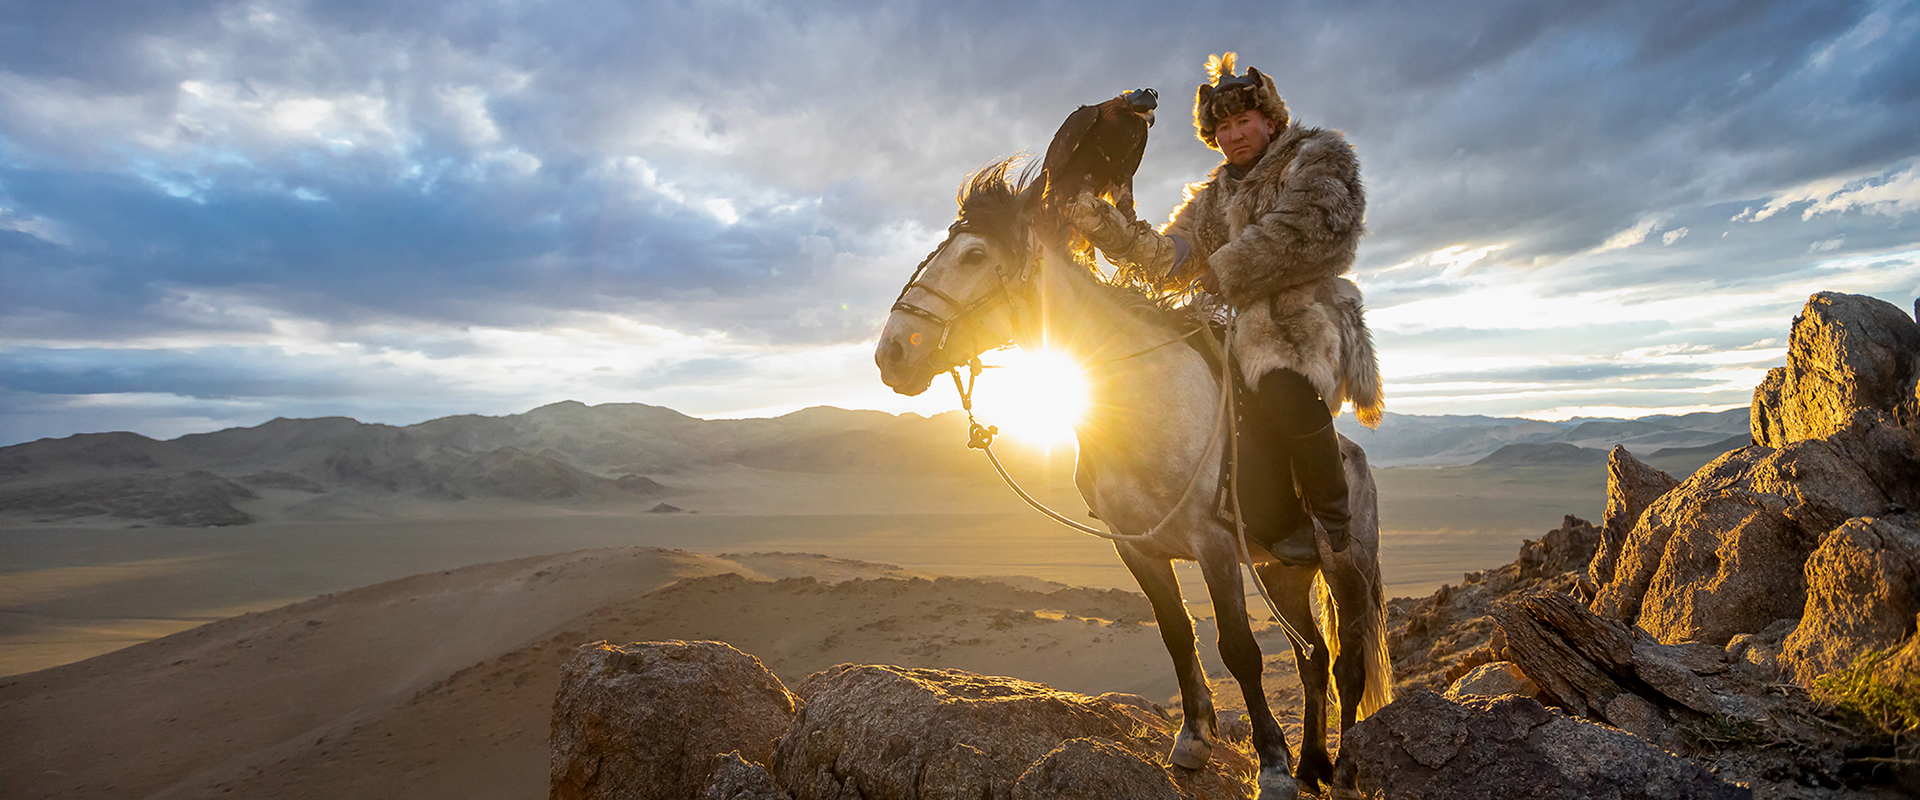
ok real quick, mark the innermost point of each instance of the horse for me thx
(1153, 431)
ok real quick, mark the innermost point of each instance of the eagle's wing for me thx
(1126, 142)
(1065, 142)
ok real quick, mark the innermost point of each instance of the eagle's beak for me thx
(1149, 116)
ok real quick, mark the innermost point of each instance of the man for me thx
(1270, 231)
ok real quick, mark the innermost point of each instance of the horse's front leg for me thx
(1195, 743)
(1242, 656)
(1290, 588)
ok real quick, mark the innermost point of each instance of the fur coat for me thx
(1278, 239)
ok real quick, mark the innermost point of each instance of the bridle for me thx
(1009, 290)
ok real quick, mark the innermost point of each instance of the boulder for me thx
(1423, 747)
(646, 720)
(735, 778)
(1863, 591)
(1631, 487)
(895, 733)
(1845, 353)
(1094, 769)
(1722, 553)
(1496, 679)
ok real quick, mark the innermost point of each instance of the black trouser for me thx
(1286, 437)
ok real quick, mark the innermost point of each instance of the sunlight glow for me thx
(1034, 397)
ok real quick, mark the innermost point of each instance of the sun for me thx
(1034, 397)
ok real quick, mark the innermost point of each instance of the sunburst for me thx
(1034, 397)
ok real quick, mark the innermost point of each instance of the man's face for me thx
(1243, 137)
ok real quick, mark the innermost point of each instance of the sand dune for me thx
(440, 684)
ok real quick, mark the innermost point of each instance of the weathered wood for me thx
(1585, 662)
(1604, 642)
(1567, 676)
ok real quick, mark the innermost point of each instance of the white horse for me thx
(1149, 460)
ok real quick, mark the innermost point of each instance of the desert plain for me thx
(353, 640)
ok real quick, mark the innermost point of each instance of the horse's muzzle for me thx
(905, 356)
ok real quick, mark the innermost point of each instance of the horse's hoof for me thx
(1190, 751)
(1276, 784)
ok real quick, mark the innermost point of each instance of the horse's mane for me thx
(992, 204)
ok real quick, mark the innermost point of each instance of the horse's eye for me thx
(973, 257)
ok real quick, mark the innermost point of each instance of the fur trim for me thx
(1213, 102)
(1359, 365)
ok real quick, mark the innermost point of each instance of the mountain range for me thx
(572, 450)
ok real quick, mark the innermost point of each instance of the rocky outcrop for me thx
(1631, 487)
(646, 720)
(1423, 747)
(1846, 353)
(898, 733)
(1863, 592)
(1722, 553)
(1436, 640)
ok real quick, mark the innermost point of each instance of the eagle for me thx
(1098, 148)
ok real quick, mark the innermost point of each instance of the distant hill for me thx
(1409, 440)
(573, 450)
(1551, 454)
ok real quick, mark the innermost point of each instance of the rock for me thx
(1632, 713)
(1631, 487)
(1496, 679)
(1722, 553)
(897, 733)
(664, 508)
(1422, 747)
(1699, 658)
(1846, 353)
(645, 720)
(1094, 769)
(1567, 547)
(735, 778)
(1863, 590)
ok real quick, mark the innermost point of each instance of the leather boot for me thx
(1294, 545)
(1322, 475)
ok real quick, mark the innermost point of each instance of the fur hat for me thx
(1227, 94)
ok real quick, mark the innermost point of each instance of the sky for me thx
(217, 213)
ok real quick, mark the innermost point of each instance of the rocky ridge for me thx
(1668, 652)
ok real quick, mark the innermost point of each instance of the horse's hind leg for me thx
(1195, 743)
(1242, 656)
(1290, 588)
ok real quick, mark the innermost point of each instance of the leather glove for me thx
(1135, 244)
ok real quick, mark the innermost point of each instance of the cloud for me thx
(192, 188)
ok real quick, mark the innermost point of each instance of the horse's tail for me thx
(1373, 644)
(1362, 558)
(1372, 623)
